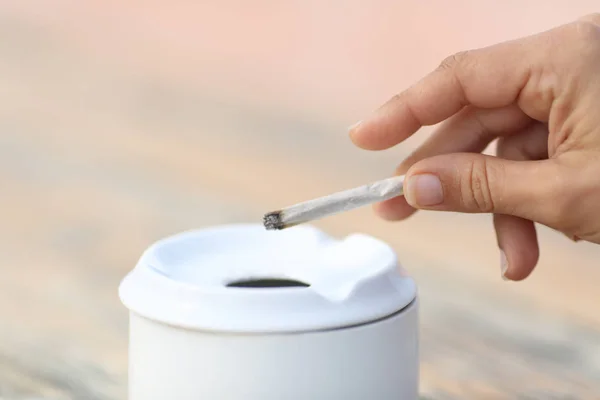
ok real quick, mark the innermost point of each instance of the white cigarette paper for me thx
(335, 203)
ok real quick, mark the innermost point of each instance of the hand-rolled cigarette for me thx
(335, 203)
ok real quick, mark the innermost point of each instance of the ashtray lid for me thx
(242, 278)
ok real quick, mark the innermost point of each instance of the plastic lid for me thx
(242, 278)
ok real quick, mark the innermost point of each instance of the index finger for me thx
(487, 78)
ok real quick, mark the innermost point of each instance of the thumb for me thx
(476, 183)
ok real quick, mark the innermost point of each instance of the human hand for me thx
(540, 97)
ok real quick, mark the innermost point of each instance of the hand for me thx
(540, 97)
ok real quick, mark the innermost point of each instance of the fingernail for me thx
(356, 125)
(503, 265)
(424, 191)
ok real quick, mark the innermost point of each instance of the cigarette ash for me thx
(272, 221)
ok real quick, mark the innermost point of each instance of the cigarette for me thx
(335, 203)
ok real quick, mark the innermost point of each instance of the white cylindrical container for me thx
(241, 313)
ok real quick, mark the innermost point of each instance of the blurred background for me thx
(122, 122)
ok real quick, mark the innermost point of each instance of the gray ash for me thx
(272, 221)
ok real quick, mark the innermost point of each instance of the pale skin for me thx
(539, 97)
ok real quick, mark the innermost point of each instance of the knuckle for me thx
(476, 195)
(575, 49)
(585, 31)
(593, 18)
(454, 60)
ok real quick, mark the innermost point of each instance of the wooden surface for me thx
(121, 123)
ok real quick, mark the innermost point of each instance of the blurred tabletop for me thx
(122, 122)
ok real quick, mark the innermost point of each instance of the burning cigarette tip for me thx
(272, 221)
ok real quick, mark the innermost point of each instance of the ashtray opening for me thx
(266, 283)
